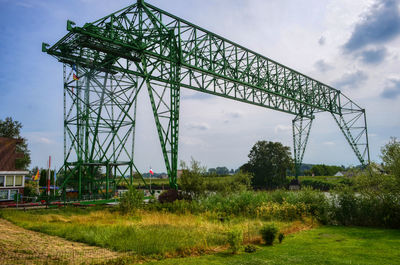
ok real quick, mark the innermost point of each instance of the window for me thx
(3, 195)
(18, 180)
(9, 181)
(12, 194)
(2, 181)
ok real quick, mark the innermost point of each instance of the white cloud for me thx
(280, 128)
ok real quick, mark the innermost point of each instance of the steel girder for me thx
(301, 131)
(166, 53)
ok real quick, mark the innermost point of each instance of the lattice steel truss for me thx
(142, 45)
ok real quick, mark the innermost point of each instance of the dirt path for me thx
(21, 246)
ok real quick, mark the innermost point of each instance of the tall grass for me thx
(144, 233)
(284, 205)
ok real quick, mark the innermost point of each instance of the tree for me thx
(192, 181)
(323, 170)
(222, 171)
(391, 157)
(12, 129)
(268, 163)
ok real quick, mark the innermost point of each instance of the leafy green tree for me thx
(192, 181)
(12, 129)
(269, 162)
(323, 170)
(391, 157)
(222, 171)
(131, 200)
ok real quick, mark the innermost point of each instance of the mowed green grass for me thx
(323, 245)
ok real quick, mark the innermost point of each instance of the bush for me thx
(192, 181)
(169, 196)
(131, 200)
(366, 209)
(317, 184)
(235, 240)
(250, 249)
(281, 237)
(268, 233)
(282, 211)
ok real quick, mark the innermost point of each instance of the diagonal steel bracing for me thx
(142, 45)
(301, 131)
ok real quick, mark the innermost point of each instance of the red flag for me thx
(75, 77)
(151, 171)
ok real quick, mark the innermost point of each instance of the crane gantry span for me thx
(108, 62)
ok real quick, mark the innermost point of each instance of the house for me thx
(12, 181)
(339, 174)
(179, 173)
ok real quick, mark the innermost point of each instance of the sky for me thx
(353, 46)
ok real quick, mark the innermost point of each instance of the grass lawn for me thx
(323, 245)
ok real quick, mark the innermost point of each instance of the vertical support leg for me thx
(301, 131)
(166, 115)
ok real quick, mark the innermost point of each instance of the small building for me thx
(12, 180)
(179, 173)
(339, 174)
(11, 183)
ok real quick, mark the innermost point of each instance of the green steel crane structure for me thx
(108, 62)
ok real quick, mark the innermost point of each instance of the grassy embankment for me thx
(146, 234)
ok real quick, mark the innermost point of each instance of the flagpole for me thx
(48, 178)
(54, 183)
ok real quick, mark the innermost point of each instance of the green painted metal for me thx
(301, 131)
(142, 45)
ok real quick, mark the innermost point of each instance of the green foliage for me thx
(30, 189)
(323, 170)
(281, 236)
(192, 181)
(268, 233)
(325, 183)
(250, 248)
(269, 162)
(391, 158)
(218, 171)
(235, 239)
(239, 182)
(12, 129)
(131, 200)
(317, 184)
(365, 209)
(372, 182)
(196, 183)
(323, 245)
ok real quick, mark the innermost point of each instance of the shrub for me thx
(281, 237)
(192, 181)
(268, 233)
(235, 239)
(318, 184)
(169, 196)
(131, 200)
(366, 208)
(282, 211)
(250, 249)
